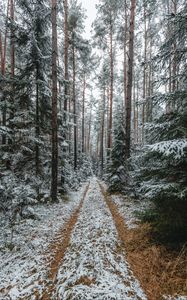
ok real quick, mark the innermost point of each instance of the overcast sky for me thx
(89, 5)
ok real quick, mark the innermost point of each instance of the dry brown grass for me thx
(85, 281)
(159, 270)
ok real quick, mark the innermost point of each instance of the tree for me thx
(129, 80)
(54, 163)
(105, 29)
(78, 46)
(116, 169)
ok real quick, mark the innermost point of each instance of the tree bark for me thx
(83, 114)
(102, 131)
(111, 91)
(125, 56)
(89, 132)
(3, 72)
(130, 77)
(12, 63)
(1, 51)
(37, 126)
(12, 47)
(74, 105)
(174, 59)
(66, 60)
(54, 181)
(144, 70)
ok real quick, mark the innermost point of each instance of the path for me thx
(93, 266)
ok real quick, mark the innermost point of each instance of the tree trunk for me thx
(125, 56)
(174, 59)
(5, 42)
(89, 131)
(102, 132)
(54, 181)
(74, 106)
(168, 104)
(144, 71)
(150, 86)
(83, 113)
(66, 47)
(1, 51)
(37, 126)
(12, 50)
(130, 77)
(111, 91)
(3, 72)
(12, 63)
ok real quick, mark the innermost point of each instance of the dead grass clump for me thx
(159, 270)
(84, 280)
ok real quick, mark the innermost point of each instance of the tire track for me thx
(59, 249)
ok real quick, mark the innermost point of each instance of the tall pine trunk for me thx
(125, 56)
(130, 77)
(66, 47)
(74, 106)
(3, 71)
(54, 181)
(111, 91)
(37, 125)
(83, 114)
(102, 132)
(144, 71)
(12, 63)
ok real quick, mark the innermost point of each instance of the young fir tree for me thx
(116, 170)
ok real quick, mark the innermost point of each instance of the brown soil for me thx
(58, 249)
(160, 271)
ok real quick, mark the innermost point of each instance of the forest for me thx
(93, 149)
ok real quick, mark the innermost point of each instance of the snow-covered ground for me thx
(94, 267)
(23, 268)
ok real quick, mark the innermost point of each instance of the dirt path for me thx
(93, 265)
(58, 249)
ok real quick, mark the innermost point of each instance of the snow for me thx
(93, 257)
(176, 148)
(23, 268)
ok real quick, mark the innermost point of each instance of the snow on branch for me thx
(175, 148)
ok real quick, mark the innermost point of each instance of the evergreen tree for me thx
(116, 176)
(163, 173)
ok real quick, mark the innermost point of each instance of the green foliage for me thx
(163, 177)
(116, 170)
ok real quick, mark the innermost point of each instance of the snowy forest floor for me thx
(80, 249)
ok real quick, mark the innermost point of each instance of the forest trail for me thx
(93, 265)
